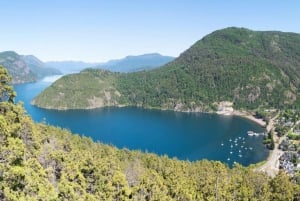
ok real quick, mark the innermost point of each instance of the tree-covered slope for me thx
(25, 68)
(249, 68)
(41, 162)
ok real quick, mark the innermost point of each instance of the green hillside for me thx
(252, 69)
(41, 162)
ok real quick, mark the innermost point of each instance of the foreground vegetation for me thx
(249, 68)
(41, 162)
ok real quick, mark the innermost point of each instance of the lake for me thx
(191, 136)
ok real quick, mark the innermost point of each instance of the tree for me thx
(281, 187)
(6, 91)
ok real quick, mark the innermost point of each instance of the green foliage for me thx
(251, 69)
(269, 140)
(6, 91)
(41, 162)
(89, 89)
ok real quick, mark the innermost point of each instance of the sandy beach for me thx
(250, 117)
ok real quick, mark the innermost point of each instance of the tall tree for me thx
(6, 91)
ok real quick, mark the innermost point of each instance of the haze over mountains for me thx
(28, 68)
(25, 68)
(252, 69)
(136, 63)
(126, 64)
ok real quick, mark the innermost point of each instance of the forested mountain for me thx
(252, 69)
(136, 63)
(25, 68)
(41, 162)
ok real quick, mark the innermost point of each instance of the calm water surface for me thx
(191, 136)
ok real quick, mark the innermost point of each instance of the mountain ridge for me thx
(252, 69)
(133, 63)
(25, 68)
(130, 63)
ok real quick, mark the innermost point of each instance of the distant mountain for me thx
(17, 67)
(25, 68)
(67, 67)
(252, 69)
(127, 64)
(39, 68)
(136, 63)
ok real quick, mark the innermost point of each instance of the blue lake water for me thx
(191, 136)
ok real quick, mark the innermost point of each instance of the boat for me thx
(250, 133)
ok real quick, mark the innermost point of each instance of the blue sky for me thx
(98, 30)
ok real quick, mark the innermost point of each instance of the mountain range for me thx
(136, 63)
(251, 69)
(28, 68)
(126, 64)
(25, 68)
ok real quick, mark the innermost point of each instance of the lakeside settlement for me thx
(284, 129)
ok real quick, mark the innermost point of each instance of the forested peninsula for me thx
(251, 69)
(42, 162)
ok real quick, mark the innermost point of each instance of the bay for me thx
(191, 136)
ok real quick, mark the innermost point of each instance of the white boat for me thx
(250, 133)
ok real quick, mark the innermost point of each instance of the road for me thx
(271, 167)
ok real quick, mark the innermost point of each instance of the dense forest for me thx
(41, 162)
(252, 69)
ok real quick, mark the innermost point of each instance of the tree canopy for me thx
(42, 162)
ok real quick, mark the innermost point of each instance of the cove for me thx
(191, 136)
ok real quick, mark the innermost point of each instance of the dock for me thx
(252, 133)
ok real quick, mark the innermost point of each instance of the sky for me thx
(100, 30)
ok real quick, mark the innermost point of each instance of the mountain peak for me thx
(252, 69)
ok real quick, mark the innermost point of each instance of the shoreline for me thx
(249, 116)
(271, 164)
(246, 115)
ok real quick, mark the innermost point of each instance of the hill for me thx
(25, 68)
(252, 69)
(136, 63)
(41, 162)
